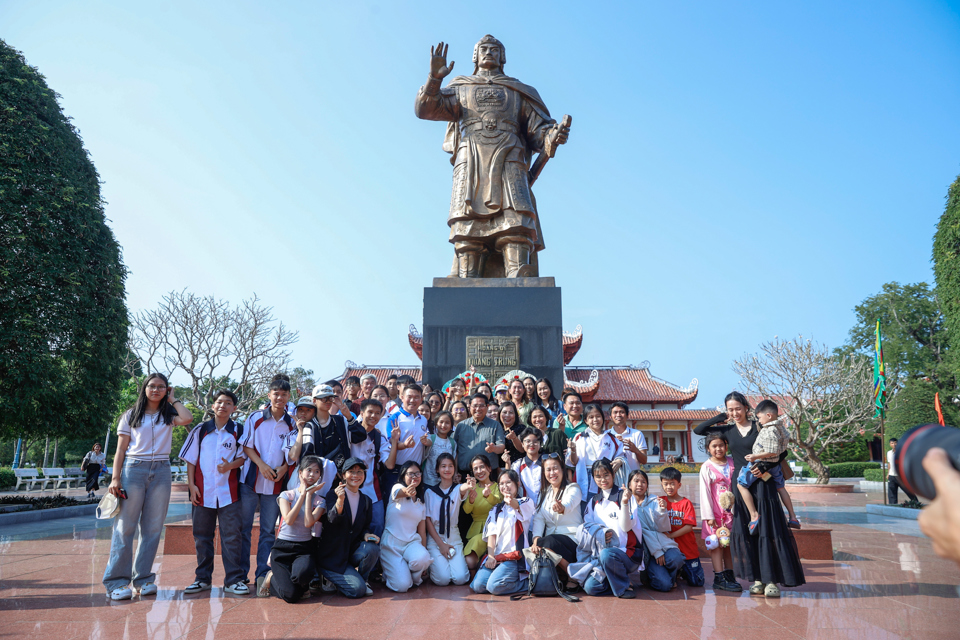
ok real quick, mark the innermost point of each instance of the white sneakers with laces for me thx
(238, 589)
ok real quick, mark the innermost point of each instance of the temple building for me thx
(657, 407)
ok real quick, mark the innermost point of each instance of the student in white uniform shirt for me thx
(528, 467)
(634, 452)
(141, 474)
(403, 549)
(504, 569)
(611, 508)
(413, 431)
(377, 453)
(441, 442)
(264, 473)
(590, 445)
(214, 457)
(443, 508)
(292, 564)
(300, 443)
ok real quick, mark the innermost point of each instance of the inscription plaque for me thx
(493, 356)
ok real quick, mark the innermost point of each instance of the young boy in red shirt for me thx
(682, 520)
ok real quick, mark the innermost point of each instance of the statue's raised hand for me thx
(438, 61)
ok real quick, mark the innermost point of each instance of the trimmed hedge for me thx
(851, 469)
(7, 478)
(873, 475)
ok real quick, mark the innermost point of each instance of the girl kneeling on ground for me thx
(504, 569)
(663, 557)
(610, 508)
(291, 561)
(403, 551)
(444, 543)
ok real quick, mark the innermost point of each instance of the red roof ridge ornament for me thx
(416, 341)
(572, 340)
(586, 388)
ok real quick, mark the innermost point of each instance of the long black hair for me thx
(422, 487)
(553, 405)
(166, 411)
(546, 414)
(545, 484)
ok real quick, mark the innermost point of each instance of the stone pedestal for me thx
(526, 308)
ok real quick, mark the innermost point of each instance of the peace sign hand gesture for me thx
(438, 62)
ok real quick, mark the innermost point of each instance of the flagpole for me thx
(883, 458)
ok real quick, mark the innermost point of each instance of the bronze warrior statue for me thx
(495, 125)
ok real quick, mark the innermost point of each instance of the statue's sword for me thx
(541, 160)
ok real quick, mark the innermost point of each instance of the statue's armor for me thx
(491, 190)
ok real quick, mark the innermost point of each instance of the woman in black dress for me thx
(770, 557)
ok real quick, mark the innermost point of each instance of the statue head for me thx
(489, 53)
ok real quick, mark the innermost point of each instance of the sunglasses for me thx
(551, 456)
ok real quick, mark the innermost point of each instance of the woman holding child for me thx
(768, 556)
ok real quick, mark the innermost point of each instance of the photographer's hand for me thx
(940, 520)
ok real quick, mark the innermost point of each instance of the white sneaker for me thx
(149, 589)
(197, 587)
(238, 589)
(326, 586)
(123, 593)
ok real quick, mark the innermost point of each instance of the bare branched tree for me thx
(827, 398)
(213, 344)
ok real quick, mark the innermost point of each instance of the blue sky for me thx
(719, 151)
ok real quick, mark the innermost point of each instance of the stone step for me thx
(812, 543)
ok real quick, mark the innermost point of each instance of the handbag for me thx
(786, 469)
(85, 462)
(543, 580)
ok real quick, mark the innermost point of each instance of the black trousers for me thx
(893, 482)
(293, 568)
(561, 544)
(93, 477)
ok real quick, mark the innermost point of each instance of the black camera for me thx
(914, 445)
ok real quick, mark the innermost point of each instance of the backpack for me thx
(544, 581)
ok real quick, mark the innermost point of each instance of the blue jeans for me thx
(502, 580)
(746, 479)
(662, 578)
(692, 572)
(147, 484)
(269, 512)
(377, 518)
(618, 566)
(353, 582)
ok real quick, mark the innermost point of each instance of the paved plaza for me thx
(884, 583)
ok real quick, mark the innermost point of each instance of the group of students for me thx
(391, 482)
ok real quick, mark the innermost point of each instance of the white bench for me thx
(29, 478)
(179, 473)
(58, 477)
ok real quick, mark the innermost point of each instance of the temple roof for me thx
(382, 372)
(675, 415)
(631, 384)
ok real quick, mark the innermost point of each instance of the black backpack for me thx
(544, 581)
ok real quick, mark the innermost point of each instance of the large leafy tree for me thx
(915, 339)
(946, 267)
(63, 321)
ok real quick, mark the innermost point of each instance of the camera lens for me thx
(914, 445)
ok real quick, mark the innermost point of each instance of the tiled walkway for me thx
(884, 583)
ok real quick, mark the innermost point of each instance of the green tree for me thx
(946, 270)
(915, 405)
(915, 339)
(63, 322)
